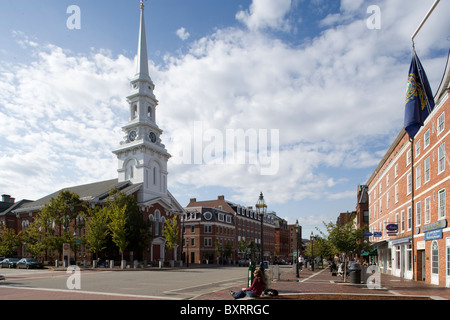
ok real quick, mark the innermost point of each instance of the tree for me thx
(346, 238)
(97, 223)
(53, 222)
(171, 232)
(118, 225)
(137, 234)
(34, 240)
(243, 247)
(9, 241)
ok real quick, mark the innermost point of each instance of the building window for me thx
(396, 170)
(208, 215)
(426, 138)
(441, 158)
(396, 193)
(441, 123)
(208, 228)
(408, 157)
(441, 201)
(409, 183)
(408, 257)
(427, 169)
(402, 216)
(418, 213)
(208, 242)
(434, 258)
(427, 209)
(157, 217)
(418, 179)
(409, 217)
(387, 200)
(417, 149)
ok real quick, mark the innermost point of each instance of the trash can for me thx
(354, 268)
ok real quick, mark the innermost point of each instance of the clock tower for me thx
(142, 158)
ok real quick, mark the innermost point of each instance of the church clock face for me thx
(152, 137)
(132, 135)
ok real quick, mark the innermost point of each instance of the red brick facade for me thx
(421, 247)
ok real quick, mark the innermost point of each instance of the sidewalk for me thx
(321, 285)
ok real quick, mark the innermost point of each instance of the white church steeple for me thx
(142, 158)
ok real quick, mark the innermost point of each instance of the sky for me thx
(298, 99)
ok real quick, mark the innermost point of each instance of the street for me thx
(121, 284)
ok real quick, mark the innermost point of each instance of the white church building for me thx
(142, 166)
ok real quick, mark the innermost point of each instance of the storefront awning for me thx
(373, 252)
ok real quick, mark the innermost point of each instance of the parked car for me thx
(243, 263)
(29, 263)
(9, 263)
(2, 277)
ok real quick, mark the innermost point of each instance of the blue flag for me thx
(419, 99)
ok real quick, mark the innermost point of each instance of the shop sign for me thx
(420, 245)
(377, 234)
(433, 235)
(392, 227)
(368, 234)
(436, 225)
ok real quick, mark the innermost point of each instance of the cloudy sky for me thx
(316, 86)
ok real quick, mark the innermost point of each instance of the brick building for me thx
(209, 236)
(420, 249)
(248, 227)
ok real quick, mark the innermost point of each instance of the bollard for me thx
(251, 270)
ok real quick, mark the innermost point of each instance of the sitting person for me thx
(255, 290)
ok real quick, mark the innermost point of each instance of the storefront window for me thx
(434, 258)
(409, 258)
(398, 257)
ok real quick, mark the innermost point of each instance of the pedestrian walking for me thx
(301, 261)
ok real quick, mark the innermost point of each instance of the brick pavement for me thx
(323, 283)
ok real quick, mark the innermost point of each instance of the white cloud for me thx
(266, 14)
(182, 34)
(330, 98)
(59, 120)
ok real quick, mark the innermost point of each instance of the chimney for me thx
(221, 198)
(7, 198)
(193, 200)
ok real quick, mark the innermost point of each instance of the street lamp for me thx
(261, 208)
(297, 231)
(312, 238)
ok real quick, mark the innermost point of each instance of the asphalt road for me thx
(151, 284)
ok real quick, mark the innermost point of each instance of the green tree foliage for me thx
(9, 241)
(118, 225)
(136, 229)
(97, 220)
(34, 240)
(171, 232)
(51, 225)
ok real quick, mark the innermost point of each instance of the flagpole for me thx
(412, 208)
(424, 20)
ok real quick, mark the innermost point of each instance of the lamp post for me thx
(312, 250)
(261, 208)
(75, 246)
(297, 231)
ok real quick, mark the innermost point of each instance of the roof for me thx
(16, 205)
(96, 191)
